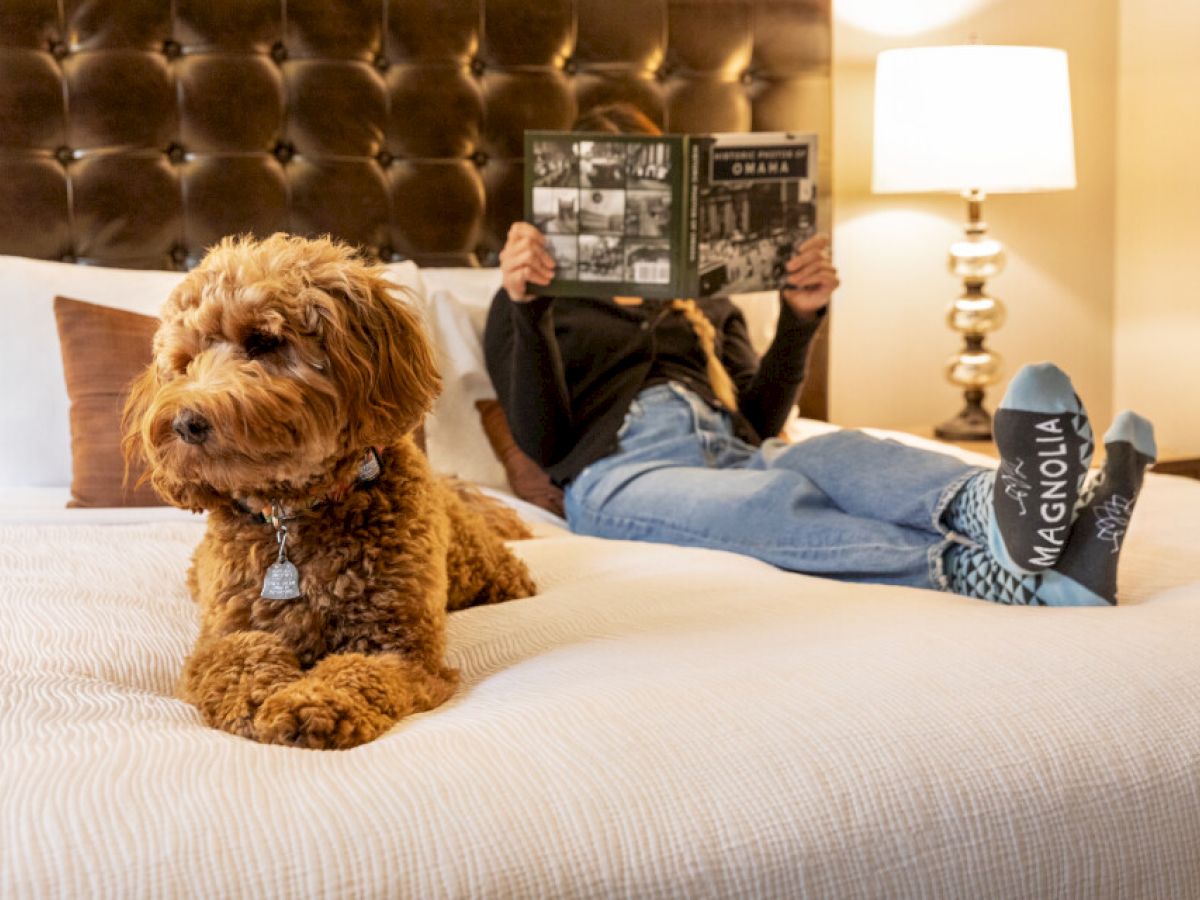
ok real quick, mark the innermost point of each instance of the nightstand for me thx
(1169, 463)
(1188, 467)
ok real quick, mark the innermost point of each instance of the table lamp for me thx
(976, 120)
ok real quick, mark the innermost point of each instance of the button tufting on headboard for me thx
(138, 133)
(245, 85)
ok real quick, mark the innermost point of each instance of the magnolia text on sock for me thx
(1052, 470)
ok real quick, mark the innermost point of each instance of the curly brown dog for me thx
(285, 385)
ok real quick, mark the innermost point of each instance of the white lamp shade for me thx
(995, 119)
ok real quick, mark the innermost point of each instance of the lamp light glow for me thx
(973, 117)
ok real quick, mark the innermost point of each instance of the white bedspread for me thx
(657, 722)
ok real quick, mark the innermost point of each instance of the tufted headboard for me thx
(136, 133)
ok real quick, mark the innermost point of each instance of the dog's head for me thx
(277, 364)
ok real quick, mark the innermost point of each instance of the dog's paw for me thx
(525, 585)
(310, 713)
(229, 677)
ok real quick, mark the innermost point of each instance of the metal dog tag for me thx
(282, 581)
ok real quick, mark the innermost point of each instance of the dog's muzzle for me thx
(191, 427)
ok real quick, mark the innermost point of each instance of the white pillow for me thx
(458, 301)
(473, 289)
(408, 275)
(35, 441)
(761, 310)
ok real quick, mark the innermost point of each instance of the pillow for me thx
(35, 443)
(761, 310)
(457, 302)
(103, 350)
(526, 478)
(472, 288)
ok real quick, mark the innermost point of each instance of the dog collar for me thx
(282, 580)
(274, 513)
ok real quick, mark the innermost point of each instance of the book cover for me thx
(664, 216)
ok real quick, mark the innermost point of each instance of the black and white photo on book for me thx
(670, 215)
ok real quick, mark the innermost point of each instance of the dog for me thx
(284, 389)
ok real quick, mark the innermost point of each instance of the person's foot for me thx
(1088, 564)
(1086, 571)
(1045, 444)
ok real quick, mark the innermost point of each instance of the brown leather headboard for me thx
(136, 133)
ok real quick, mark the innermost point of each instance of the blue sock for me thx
(970, 512)
(974, 572)
(1088, 565)
(1086, 571)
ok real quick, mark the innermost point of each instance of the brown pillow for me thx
(103, 350)
(526, 478)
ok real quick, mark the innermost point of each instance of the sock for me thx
(970, 512)
(1089, 560)
(1086, 572)
(1045, 444)
(974, 572)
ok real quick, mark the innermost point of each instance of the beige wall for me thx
(1157, 308)
(889, 336)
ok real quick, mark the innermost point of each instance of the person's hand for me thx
(524, 260)
(811, 277)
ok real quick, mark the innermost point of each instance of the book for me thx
(664, 216)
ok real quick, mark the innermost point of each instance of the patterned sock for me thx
(1045, 445)
(970, 512)
(1088, 565)
(1086, 572)
(974, 572)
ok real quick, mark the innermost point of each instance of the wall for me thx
(889, 337)
(1157, 308)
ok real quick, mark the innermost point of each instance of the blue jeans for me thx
(844, 505)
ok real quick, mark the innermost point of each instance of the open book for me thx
(669, 215)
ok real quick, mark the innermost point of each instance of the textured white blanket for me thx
(657, 722)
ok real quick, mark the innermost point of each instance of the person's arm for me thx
(767, 390)
(521, 353)
(526, 369)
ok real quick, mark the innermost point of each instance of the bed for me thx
(657, 721)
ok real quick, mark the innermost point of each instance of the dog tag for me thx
(282, 582)
(368, 469)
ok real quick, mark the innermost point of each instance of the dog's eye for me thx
(259, 343)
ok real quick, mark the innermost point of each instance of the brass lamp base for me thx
(974, 315)
(973, 423)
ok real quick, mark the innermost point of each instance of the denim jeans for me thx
(844, 504)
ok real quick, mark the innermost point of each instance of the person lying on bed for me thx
(657, 418)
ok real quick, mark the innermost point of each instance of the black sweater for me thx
(566, 370)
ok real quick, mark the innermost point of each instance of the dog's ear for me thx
(379, 355)
(134, 420)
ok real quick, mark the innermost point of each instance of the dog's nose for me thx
(191, 427)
